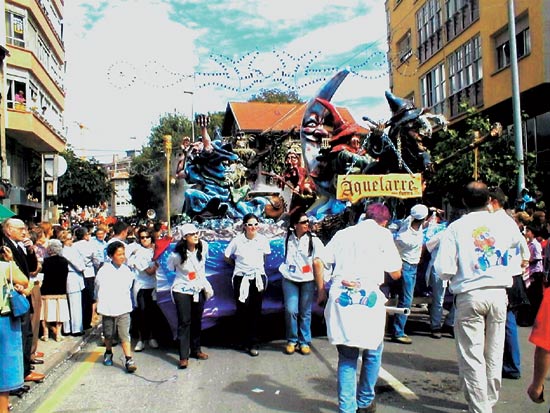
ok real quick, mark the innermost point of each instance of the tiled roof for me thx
(258, 117)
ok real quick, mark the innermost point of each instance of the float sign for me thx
(354, 187)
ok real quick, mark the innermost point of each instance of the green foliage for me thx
(84, 184)
(276, 96)
(497, 164)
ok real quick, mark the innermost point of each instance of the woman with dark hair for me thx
(246, 252)
(190, 290)
(142, 264)
(301, 270)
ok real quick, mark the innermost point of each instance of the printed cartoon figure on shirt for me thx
(353, 294)
(485, 247)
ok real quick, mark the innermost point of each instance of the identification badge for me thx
(192, 275)
(306, 268)
(292, 268)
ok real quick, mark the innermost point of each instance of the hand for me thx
(7, 253)
(351, 284)
(321, 297)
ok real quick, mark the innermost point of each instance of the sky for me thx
(130, 62)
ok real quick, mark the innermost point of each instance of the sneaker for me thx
(153, 343)
(371, 408)
(108, 359)
(139, 346)
(290, 348)
(436, 333)
(305, 349)
(130, 365)
(402, 340)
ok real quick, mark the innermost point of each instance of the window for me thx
(404, 47)
(465, 65)
(428, 26)
(459, 15)
(15, 87)
(432, 89)
(523, 42)
(15, 29)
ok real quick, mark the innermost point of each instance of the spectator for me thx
(302, 271)
(55, 307)
(113, 289)
(75, 284)
(247, 252)
(355, 312)
(473, 256)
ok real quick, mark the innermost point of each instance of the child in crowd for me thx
(113, 288)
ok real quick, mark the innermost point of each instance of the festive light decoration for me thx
(248, 71)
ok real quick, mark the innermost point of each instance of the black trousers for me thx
(88, 302)
(249, 312)
(146, 314)
(189, 323)
(26, 334)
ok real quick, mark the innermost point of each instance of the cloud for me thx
(128, 61)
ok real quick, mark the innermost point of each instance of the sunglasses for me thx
(145, 237)
(303, 222)
(191, 234)
(252, 225)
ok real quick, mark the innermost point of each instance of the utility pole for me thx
(516, 105)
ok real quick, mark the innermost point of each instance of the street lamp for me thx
(190, 92)
(167, 139)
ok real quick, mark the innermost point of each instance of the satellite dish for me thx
(49, 166)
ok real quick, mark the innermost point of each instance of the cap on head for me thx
(187, 229)
(419, 211)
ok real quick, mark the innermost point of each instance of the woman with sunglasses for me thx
(247, 252)
(301, 270)
(189, 291)
(142, 264)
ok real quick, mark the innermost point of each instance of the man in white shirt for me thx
(474, 255)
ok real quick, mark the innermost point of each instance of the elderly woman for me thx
(11, 361)
(55, 307)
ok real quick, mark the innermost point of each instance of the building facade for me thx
(118, 173)
(33, 94)
(444, 53)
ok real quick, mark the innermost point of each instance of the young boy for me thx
(113, 286)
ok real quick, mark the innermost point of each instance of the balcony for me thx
(33, 131)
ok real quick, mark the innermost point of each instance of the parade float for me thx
(338, 171)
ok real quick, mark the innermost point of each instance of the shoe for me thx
(108, 359)
(130, 365)
(511, 376)
(44, 338)
(38, 354)
(436, 334)
(139, 346)
(402, 340)
(371, 408)
(153, 343)
(290, 348)
(535, 398)
(37, 361)
(36, 377)
(183, 364)
(199, 355)
(305, 349)
(254, 351)
(448, 330)
(31, 367)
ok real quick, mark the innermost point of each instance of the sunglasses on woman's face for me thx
(303, 222)
(145, 237)
(255, 224)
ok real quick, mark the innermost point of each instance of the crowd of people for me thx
(494, 261)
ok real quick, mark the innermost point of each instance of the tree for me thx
(85, 183)
(276, 96)
(497, 164)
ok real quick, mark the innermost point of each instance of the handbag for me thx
(18, 302)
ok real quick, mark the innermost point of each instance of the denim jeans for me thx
(511, 363)
(352, 395)
(298, 301)
(406, 293)
(438, 298)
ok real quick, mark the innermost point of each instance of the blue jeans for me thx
(408, 280)
(298, 301)
(352, 395)
(511, 363)
(438, 298)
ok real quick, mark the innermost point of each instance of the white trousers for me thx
(479, 336)
(75, 324)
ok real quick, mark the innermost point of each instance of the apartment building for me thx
(118, 172)
(33, 94)
(446, 52)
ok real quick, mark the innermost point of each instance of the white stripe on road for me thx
(399, 387)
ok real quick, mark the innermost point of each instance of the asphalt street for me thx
(422, 377)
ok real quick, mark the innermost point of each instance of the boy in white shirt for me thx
(113, 289)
